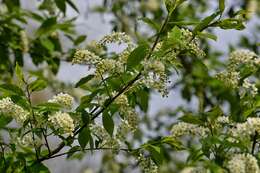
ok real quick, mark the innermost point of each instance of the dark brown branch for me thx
(130, 83)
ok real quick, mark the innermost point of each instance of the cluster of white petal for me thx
(107, 140)
(183, 128)
(147, 164)
(116, 37)
(231, 77)
(85, 57)
(243, 163)
(155, 76)
(9, 108)
(63, 122)
(249, 87)
(247, 128)
(63, 99)
(195, 170)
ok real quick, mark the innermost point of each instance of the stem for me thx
(87, 149)
(32, 112)
(254, 143)
(110, 101)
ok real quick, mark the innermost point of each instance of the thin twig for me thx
(121, 91)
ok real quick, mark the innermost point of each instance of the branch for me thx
(254, 143)
(110, 101)
(87, 149)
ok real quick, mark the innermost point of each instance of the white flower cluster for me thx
(242, 56)
(130, 119)
(63, 99)
(243, 163)
(85, 57)
(9, 108)
(147, 164)
(190, 43)
(27, 140)
(183, 128)
(63, 122)
(246, 129)
(223, 120)
(249, 87)
(107, 140)
(116, 37)
(110, 66)
(231, 77)
(198, 169)
(155, 76)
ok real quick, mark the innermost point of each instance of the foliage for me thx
(220, 135)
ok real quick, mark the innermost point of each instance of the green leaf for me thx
(108, 123)
(143, 99)
(84, 137)
(61, 4)
(11, 89)
(221, 5)
(189, 118)
(231, 24)
(21, 101)
(49, 106)
(19, 72)
(85, 117)
(151, 23)
(48, 26)
(207, 35)
(84, 80)
(38, 85)
(4, 120)
(173, 143)
(214, 113)
(137, 55)
(156, 153)
(39, 168)
(205, 22)
(80, 39)
(73, 150)
(47, 44)
(174, 37)
(72, 5)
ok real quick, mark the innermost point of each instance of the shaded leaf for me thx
(108, 123)
(137, 55)
(84, 80)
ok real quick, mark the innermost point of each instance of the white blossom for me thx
(115, 37)
(242, 56)
(243, 130)
(9, 108)
(250, 87)
(106, 139)
(85, 57)
(147, 164)
(63, 99)
(198, 169)
(243, 163)
(183, 128)
(62, 121)
(229, 78)
(27, 140)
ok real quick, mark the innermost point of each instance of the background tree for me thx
(159, 41)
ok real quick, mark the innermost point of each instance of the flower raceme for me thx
(63, 122)
(63, 99)
(9, 108)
